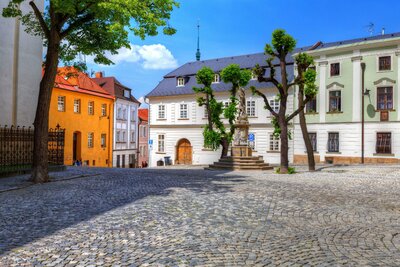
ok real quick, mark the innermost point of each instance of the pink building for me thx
(143, 158)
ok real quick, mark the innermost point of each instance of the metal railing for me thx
(16, 148)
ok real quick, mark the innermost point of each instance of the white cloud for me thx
(155, 56)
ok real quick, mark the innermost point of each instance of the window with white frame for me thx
(119, 113)
(275, 104)
(333, 142)
(103, 140)
(216, 78)
(251, 108)
(127, 93)
(161, 143)
(385, 63)
(124, 114)
(253, 76)
(133, 114)
(183, 112)
(143, 131)
(103, 110)
(274, 142)
(91, 108)
(118, 137)
(90, 140)
(123, 137)
(77, 105)
(61, 103)
(161, 111)
(181, 81)
(335, 69)
(133, 137)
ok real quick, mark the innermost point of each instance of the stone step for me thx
(241, 168)
(242, 160)
(219, 163)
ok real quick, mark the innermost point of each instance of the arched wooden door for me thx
(184, 152)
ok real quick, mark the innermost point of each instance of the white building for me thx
(20, 70)
(176, 120)
(125, 145)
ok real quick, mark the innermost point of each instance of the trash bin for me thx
(167, 161)
(160, 163)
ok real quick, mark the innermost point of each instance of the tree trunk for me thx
(40, 168)
(284, 145)
(307, 141)
(225, 147)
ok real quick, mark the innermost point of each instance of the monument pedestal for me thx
(241, 151)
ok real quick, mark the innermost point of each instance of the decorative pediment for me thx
(335, 86)
(384, 81)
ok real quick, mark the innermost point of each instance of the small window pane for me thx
(385, 63)
(333, 142)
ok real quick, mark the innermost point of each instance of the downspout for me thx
(15, 72)
(362, 111)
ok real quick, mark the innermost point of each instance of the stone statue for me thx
(242, 115)
(242, 122)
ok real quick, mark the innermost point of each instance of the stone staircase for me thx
(235, 163)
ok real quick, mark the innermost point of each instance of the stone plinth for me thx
(241, 151)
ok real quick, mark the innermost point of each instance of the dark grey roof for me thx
(167, 87)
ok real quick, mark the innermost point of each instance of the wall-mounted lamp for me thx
(366, 92)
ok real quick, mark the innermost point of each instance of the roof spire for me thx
(198, 42)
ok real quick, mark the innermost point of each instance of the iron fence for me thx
(16, 148)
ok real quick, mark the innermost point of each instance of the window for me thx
(124, 114)
(161, 111)
(251, 108)
(143, 131)
(119, 113)
(333, 142)
(118, 137)
(274, 144)
(118, 161)
(335, 101)
(133, 114)
(133, 137)
(103, 140)
(311, 106)
(77, 105)
(90, 140)
(183, 111)
(335, 69)
(226, 104)
(216, 78)
(181, 81)
(161, 143)
(127, 93)
(313, 139)
(91, 108)
(384, 143)
(274, 103)
(253, 76)
(385, 98)
(103, 110)
(61, 103)
(123, 136)
(385, 63)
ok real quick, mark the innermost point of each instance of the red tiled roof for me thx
(144, 114)
(114, 87)
(70, 78)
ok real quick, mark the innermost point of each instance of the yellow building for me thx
(85, 111)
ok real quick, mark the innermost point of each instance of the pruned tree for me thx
(282, 45)
(88, 27)
(306, 88)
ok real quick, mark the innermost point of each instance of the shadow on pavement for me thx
(40, 210)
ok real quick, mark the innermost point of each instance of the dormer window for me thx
(127, 93)
(253, 76)
(181, 81)
(216, 78)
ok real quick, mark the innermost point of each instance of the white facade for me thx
(174, 128)
(20, 70)
(125, 133)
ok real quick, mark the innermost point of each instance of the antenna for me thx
(198, 41)
(371, 28)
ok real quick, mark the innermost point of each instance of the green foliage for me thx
(205, 76)
(91, 27)
(310, 89)
(282, 42)
(212, 139)
(291, 170)
(277, 128)
(233, 74)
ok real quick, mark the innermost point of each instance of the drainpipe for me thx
(15, 72)
(362, 110)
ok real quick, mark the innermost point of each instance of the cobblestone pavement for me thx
(347, 216)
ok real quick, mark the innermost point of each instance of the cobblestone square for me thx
(341, 216)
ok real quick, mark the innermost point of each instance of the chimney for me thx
(99, 74)
(383, 31)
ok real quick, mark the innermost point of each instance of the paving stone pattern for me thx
(348, 216)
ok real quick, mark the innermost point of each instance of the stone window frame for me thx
(183, 111)
(378, 61)
(251, 107)
(161, 111)
(274, 143)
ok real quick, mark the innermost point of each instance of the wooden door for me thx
(184, 152)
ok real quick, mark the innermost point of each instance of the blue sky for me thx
(236, 27)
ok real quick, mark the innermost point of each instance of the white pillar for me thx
(356, 88)
(322, 90)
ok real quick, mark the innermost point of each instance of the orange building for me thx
(85, 111)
